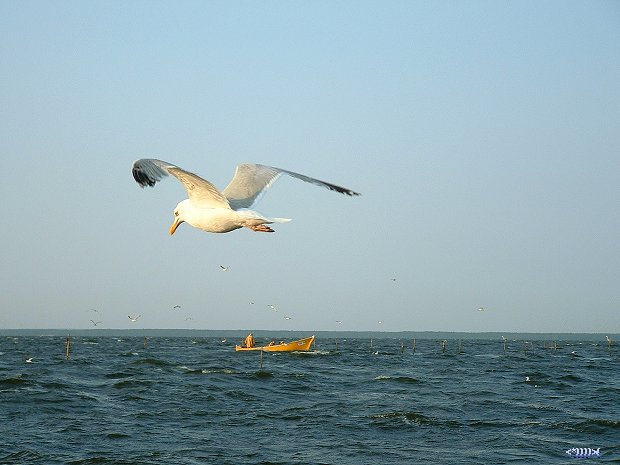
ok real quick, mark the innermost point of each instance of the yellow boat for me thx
(299, 345)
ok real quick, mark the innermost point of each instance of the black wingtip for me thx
(141, 178)
(342, 190)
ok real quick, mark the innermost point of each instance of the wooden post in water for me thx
(68, 347)
(261, 359)
(460, 347)
(414, 345)
(505, 341)
(444, 344)
(402, 347)
(146, 343)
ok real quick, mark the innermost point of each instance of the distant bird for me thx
(339, 322)
(93, 310)
(287, 317)
(29, 360)
(393, 279)
(134, 318)
(273, 307)
(380, 322)
(527, 379)
(251, 303)
(220, 212)
(189, 318)
(225, 268)
(95, 323)
(481, 309)
(176, 306)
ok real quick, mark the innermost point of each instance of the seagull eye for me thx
(176, 213)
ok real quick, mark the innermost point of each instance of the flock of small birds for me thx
(134, 319)
(225, 268)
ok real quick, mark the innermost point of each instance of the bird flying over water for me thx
(134, 318)
(220, 212)
(95, 323)
(225, 268)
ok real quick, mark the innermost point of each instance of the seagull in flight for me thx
(225, 268)
(216, 211)
(95, 323)
(134, 318)
(176, 306)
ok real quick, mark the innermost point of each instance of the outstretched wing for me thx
(203, 194)
(251, 180)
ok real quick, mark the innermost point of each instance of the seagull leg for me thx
(261, 228)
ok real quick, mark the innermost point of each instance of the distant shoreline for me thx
(232, 333)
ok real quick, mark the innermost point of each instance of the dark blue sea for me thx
(350, 401)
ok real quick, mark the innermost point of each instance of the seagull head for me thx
(179, 216)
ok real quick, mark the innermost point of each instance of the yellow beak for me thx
(175, 225)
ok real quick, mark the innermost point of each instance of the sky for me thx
(484, 137)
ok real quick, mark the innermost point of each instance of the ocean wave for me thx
(13, 381)
(594, 425)
(152, 362)
(132, 383)
(24, 456)
(118, 375)
(397, 419)
(208, 371)
(397, 379)
(129, 353)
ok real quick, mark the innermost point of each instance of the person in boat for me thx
(249, 341)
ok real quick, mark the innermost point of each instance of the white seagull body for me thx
(133, 318)
(220, 212)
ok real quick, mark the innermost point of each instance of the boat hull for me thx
(302, 345)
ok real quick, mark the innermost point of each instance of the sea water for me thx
(349, 401)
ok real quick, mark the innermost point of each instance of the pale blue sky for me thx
(483, 135)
